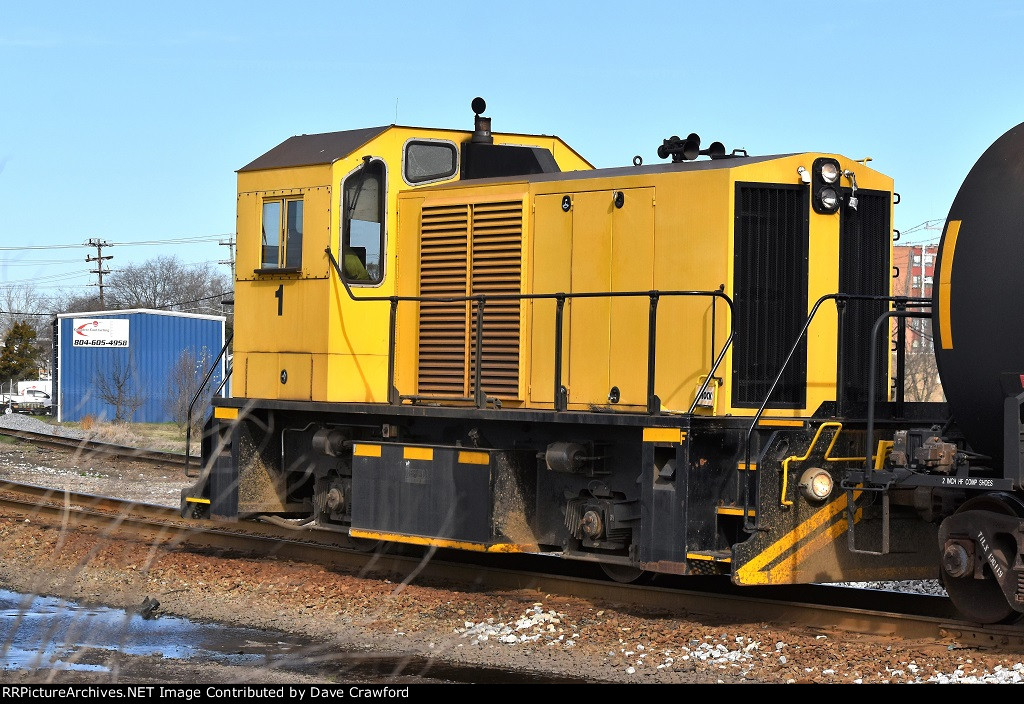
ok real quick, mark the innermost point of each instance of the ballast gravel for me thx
(550, 636)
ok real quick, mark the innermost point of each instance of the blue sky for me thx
(126, 121)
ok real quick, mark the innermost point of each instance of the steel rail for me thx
(87, 446)
(880, 613)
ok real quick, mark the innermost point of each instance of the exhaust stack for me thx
(481, 124)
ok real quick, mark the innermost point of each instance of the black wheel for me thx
(624, 574)
(982, 600)
(363, 544)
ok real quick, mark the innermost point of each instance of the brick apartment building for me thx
(915, 264)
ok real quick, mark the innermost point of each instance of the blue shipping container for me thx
(133, 360)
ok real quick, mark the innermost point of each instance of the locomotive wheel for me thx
(982, 600)
(364, 544)
(624, 574)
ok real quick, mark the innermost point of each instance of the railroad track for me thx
(103, 448)
(908, 616)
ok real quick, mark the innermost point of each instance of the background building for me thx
(915, 265)
(134, 365)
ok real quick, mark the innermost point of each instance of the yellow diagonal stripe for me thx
(753, 572)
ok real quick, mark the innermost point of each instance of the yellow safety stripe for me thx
(418, 453)
(366, 450)
(436, 542)
(670, 435)
(733, 511)
(470, 457)
(706, 557)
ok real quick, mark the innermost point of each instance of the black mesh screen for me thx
(865, 235)
(770, 285)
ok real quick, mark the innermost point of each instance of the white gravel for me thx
(20, 421)
(910, 586)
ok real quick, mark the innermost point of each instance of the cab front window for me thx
(362, 227)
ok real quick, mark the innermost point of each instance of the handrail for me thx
(838, 297)
(199, 392)
(870, 432)
(653, 404)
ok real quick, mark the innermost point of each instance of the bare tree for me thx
(165, 282)
(182, 386)
(921, 381)
(118, 386)
(71, 303)
(921, 375)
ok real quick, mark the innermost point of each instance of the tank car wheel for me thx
(624, 574)
(982, 600)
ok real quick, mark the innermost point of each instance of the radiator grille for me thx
(770, 284)
(864, 268)
(465, 250)
(444, 242)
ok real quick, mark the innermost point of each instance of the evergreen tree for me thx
(18, 357)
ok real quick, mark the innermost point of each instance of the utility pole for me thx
(99, 258)
(230, 261)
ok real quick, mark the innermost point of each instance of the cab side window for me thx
(282, 234)
(362, 228)
(427, 161)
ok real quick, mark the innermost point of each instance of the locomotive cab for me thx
(300, 335)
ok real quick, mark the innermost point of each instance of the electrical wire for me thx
(139, 243)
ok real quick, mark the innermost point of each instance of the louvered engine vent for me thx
(468, 250)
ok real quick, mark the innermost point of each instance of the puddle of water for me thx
(39, 632)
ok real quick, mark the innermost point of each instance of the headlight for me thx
(816, 484)
(829, 172)
(829, 198)
(826, 177)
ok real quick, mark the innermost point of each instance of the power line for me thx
(179, 240)
(18, 312)
(926, 225)
(35, 262)
(197, 300)
(172, 240)
(163, 307)
(32, 282)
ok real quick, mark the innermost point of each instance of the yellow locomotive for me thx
(476, 340)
